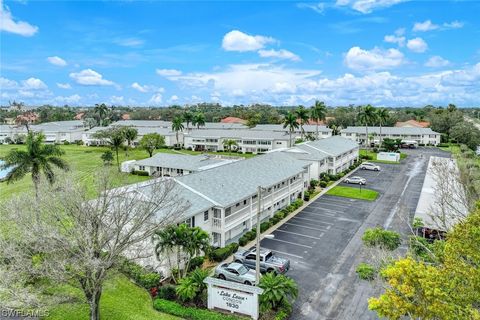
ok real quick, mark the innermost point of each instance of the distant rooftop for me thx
(239, 134)
(389, 130)
(59, 126)
(182, 161)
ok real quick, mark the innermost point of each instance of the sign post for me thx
(233, 297)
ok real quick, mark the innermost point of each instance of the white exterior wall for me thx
(245, 145)
(162, 171)
(432, 139)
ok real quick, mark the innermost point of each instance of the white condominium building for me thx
(423, 136)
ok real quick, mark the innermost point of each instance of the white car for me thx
(356, 180)
(369, 166)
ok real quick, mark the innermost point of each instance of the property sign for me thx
(233, 297)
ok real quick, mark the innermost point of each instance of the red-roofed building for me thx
(412, 124)
(321, 122)
(125, 116)
(79, 116)
(233, 120)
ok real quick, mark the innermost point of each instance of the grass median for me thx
(354, 193)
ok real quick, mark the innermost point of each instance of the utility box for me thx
(388, 156)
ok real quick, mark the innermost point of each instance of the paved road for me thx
(324, 244)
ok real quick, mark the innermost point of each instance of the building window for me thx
(238, 204)
(205, 216)
(244, 202)
(228, 211)
(142, 168)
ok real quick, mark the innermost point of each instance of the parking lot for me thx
(323, 241)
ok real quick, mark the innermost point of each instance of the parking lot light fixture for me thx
(259, 206)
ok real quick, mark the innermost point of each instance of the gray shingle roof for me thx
(231, 183)
(239, 134)
(180, 161)
(390, 130)
(59, 126)
(334, 146)
(279, 127)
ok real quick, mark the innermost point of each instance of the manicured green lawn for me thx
(84, 162)
(121, 299)
(355, 193)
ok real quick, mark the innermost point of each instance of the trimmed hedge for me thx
(167, 292)
(196, 262)
(189, 313)
(143, 277)
(323, 184)
(220, 254)
(140, 173)
(365, 271)
(264, 226)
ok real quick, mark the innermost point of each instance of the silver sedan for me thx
(236, 272)
(356, 180)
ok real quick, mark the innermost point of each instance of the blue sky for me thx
(150, 53)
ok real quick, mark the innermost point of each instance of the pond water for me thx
(3, 173)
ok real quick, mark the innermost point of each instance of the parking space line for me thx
(297, 217)
(324, 214)
(299, 234)
(299, 225)
(281, 252)
(292, 243)
(337, 210)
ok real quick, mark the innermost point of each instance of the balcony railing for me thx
(217, 223)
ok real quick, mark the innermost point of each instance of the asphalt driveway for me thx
(323, 241)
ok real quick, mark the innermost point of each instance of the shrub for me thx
(313, 183)
(323, 184)
(79, 142)
(140, 173)
(280, 215)
(66, 142)
(251, 234)
(383, 238)
(143, 277)
(375, 150)
(264, 226)
(221, 254)
(365, 271)
(189, 313)
(196, 262)
(243, 240)
(274, 220)
(167, 292)
(341, 175)
(306, 196)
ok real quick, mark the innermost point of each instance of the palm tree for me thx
(366, 116)
(290, 121)
(278, 290)
(130, 135)
(115, 137)
(177, 125)
(188, 117)
(382, 117)
(101, 110)
(228, 144)
(191, 287)
(166, 243)
(318, 113)
(198, 120)
(37, 159)
(302, 115)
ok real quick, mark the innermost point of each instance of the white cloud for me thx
(367, 6)
(64, 85)
(168, 72)
(281, 54)
(436, 62)
(8, 24)
(89, 77)
(139, 87)
(7, 83)
(238, 41)
(317, 7)
(425, 26)
(155, 100)
(417, 45)
(453, 25)
(173, 99)
(55, 60)
(73, 99)
(117, 100)
(33, 84)
(129, 42)
(375, 59)
(399, 40)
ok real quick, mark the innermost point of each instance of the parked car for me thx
(356, 180)
(369, 166)
(269, 262)
(236, 272)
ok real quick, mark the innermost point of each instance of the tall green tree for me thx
(113, 137)
(367, 116)
(278, 291)
(188, 118)
(229, 143)
(318, 113)
(198, 120)
(151, 141)
(130, 135)
(101, 110)
(303, 116)
(290, 122)
(382, 118)
(37, 159)
(177, 126)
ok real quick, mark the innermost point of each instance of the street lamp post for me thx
(268, 236)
